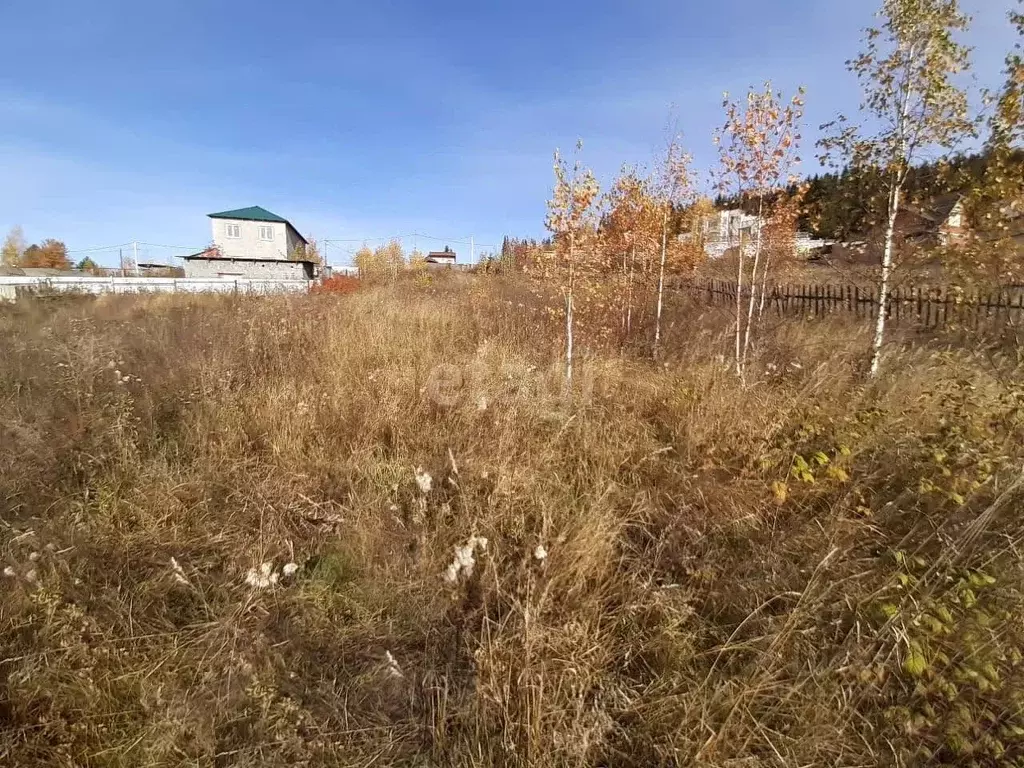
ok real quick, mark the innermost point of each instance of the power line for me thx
(409, 235)
(174, 247)
(100, 248)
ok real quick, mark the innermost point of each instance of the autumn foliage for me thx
(51, 254)
(336, 284)
(758, 155)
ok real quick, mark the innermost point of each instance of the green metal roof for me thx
(252, 213)
(255, 213)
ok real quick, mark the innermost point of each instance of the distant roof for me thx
(252, 213)
(939, 209)
(441, 255)
(255, 213)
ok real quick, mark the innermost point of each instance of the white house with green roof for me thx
(254, 243)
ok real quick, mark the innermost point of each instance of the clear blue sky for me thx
(126, 121)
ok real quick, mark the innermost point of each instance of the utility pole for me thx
(135, 256)
(472, 250)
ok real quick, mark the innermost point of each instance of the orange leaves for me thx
(757, 144)
(571, 208)
(50, 253)
(632, 221)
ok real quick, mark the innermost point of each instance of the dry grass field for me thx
(375, 530)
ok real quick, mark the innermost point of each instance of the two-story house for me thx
(255, 243)
(441, 259)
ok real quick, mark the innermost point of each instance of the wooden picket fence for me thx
(925, 307)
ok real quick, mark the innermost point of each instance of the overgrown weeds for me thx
(659, 567)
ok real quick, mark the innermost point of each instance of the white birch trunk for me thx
(739, 309)
(568, 338)
(753, 283)
(904, 158)
(624, 310)
(764, 282)
(883, 289)
(568, 311)
(661, 283)
(629, 293)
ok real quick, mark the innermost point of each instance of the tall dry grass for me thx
(807, 570)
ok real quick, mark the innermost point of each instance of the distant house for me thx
(441, 259)
(255, 243)
(724, 231)
(939, 221)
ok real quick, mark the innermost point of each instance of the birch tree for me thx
(572, 220)
(13, 247)
(627, 231)
(673, 189)
(758, 153)
(907, 73)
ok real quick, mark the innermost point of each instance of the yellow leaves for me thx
(914, 662)
(385, 261)
(780, 491)
(837, 473)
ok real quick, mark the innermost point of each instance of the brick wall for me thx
(260, 270)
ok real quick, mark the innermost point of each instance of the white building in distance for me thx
(254, 243)
(731, 228)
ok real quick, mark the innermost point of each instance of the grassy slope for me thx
(805, 571)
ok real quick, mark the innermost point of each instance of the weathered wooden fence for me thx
(922, 306)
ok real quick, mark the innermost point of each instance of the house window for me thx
(231, 230)
(266, 233)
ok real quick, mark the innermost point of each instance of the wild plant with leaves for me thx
(758, 148)
(908, 72)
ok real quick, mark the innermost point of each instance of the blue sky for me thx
(124, 121)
